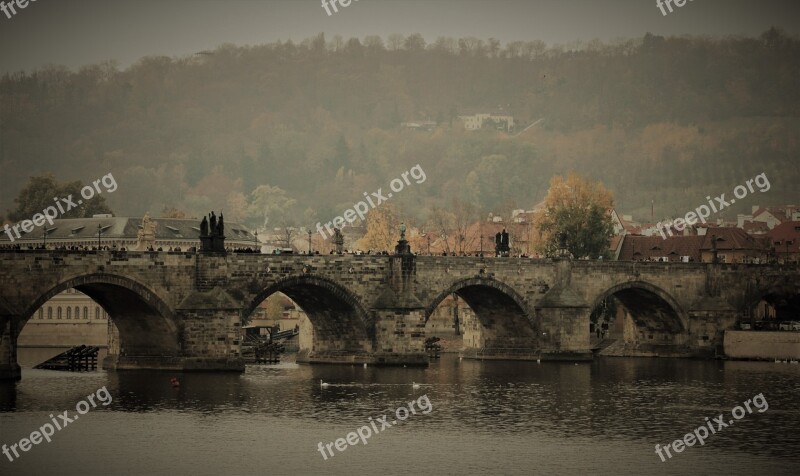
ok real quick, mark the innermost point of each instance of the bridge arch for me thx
(146, 324)
(339, 321)
(504, 322)
(772, 302)
(657, 316)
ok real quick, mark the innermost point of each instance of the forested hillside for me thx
(664, 119)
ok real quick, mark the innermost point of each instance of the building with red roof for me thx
(785, 240)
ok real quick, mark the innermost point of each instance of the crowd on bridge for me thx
(243, 250)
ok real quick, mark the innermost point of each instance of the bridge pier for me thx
(400, 336)
(708, 320)
(208, 339)
(9, 368)
(211, 336)
(564, 319)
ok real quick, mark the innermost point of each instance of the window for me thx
(41, 313)
(58, 312)
(49, 312)
(97, 312)
(105, 315)
(85, 312)
(69, 312)
(77, 312)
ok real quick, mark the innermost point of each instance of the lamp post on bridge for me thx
(309, 242)
(255, 238)
(44, 238)
(786, 258)
(99, 230)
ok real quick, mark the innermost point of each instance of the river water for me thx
(603, 417)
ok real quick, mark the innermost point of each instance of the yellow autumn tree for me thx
(383, 229)
(576, 216)
(274, 307)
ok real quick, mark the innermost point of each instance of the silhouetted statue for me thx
(220, 226)
(204, 227)
(213, 223)
(338, 239)
(504, 241)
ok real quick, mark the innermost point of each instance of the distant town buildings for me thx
(123, 232)
(70, 318)
(767, 217)
(785, 240)
(499, 121)
(420, 125)
(767, 234)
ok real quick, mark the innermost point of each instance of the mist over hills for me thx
(667, 120)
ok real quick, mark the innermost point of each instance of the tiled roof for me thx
(636, 248)
(730, 238)
(755, 227)
(789, 230)
(76, 229)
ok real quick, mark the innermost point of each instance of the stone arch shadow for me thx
(340, 323)
(147, 326)
(782, 295)
(508, 325)
(654, 311)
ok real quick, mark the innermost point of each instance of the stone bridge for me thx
(183, 311)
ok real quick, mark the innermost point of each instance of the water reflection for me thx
(631, 401)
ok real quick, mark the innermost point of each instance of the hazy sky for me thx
(77, 32)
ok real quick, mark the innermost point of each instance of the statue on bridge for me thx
(338, 240)
(146, 236)
(212, 234)
(402, 247)
(501, 245)
(212, 220)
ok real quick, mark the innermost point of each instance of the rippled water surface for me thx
(487, 418)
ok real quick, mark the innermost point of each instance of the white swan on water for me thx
(414, 385)
(323, 384)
